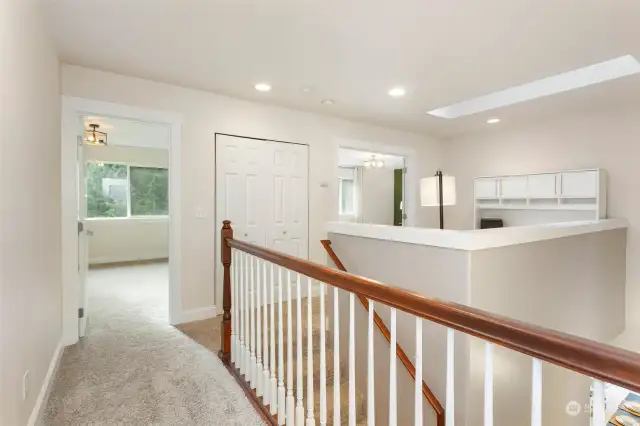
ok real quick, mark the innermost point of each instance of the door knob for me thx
(246, 235)
(284, 232)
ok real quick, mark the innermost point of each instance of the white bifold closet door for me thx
(262, 187)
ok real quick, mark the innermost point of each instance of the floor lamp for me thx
(438, 190)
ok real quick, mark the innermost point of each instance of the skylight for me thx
(582, 77)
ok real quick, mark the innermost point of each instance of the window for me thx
(120, 190)
(347, 196)
(106, 190)
(149, 191)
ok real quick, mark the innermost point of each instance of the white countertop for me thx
(478, 239)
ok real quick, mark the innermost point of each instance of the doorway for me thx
(121, 208)
(371, 187)
(124, 205)
(262, 188)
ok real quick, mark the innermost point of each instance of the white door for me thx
(261, 186)
(83, 254)
(288, 168)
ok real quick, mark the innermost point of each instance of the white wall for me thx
(605, 139)
(126, 239)
(377, 196)
(204, 115)
(30, 292)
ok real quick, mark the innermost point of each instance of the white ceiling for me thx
(123, 132)
(354, 51)
(355, 158)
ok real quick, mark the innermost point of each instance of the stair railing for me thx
(400, 353)
(243, 277)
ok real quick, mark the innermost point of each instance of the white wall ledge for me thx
(479, 239)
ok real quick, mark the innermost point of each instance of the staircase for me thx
(361, 403)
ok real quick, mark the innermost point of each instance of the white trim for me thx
(43, 396)
(476, 239)
(72, 109)
(197, 314)
(411, 194)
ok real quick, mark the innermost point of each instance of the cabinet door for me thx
(542, 186)
(579, 184)
(513, 187)
(486, 188)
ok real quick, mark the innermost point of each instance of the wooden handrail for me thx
(400, 353)
(600, 361)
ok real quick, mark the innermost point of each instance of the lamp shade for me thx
(429, 191)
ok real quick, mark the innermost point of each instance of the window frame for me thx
(129, 216)
(353, 196)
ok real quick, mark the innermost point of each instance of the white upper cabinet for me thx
(486, 188)
(543, 186)
(513, 187)
(581, 184)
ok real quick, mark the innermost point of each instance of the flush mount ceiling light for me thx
(262, 87)
(582, 77)
(397, 92)
(373, 163)
(493, 120)
(94, 137)
(327, 102)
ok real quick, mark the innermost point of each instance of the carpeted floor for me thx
(135, 369)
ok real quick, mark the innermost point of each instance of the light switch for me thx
(200, 213)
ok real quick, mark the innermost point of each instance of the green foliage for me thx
(149, 190)
(99, 204)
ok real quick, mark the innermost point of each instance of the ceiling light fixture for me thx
(327, 102)
(306, 89)
(397, 92)
(493, 120)
(373, 163)
(94, 137)
(582, 77)
(262, 87)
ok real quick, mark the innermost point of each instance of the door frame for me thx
(71, 109)
(218, 267)
(411, 178)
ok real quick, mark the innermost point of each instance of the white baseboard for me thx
(197, 314)
(45, 390)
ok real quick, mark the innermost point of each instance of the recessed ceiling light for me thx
(581, 77)
(327, 102)
(306, 89)
(493, 120)
(397, 92)
(262, 87)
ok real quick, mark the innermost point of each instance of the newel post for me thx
(225, 335)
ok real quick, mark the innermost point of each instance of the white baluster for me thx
(282, 411)
(418, 381)
(310, 420)
(300, 384)
(252, 313)
(488, 384)
(536, 392)
(243, 348)
(234, 301)
(247, 337)
(598, 404)
(265, 335)
(371, 404)
(323, 361)
(393, 380)
(450, 403)
(291, 401)
(352, 361)
(258, 300)
(336, 359)
(272, 332)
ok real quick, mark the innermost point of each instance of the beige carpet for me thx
(135, 369)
